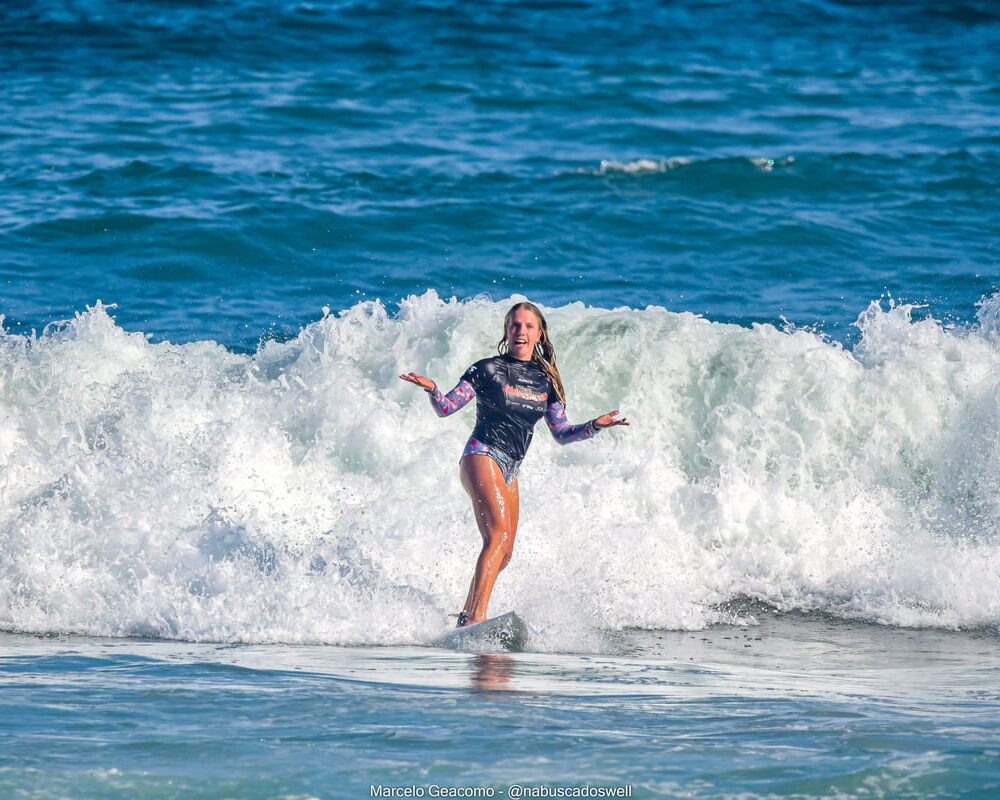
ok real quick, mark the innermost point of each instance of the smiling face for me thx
(523, 333)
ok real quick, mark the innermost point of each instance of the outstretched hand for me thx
(424, 383)
(608, 420)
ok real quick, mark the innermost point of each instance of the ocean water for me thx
(230, 536)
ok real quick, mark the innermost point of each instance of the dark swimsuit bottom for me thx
(507, 463)
(511, 396)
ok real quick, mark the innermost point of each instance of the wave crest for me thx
(304, 494)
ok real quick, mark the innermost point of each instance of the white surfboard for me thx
(506, 632)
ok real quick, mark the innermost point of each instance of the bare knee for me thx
(499, 547)
(504, 549)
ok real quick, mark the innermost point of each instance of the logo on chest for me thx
(524, 397)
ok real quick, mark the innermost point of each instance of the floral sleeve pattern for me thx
(562, 431)
(445, 404)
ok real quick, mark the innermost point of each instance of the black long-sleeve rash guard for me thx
(512, 396)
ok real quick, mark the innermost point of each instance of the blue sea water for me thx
(229, 536)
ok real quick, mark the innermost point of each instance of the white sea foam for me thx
(648, 166)
(640, 166)
(306, 494)
(768, 164)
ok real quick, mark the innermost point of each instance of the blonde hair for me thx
(544, 355)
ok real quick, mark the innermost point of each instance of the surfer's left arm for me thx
(564, 432)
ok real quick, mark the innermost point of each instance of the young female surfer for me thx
(513, 391)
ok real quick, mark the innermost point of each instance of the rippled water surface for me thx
(226, 170)
(800, 708)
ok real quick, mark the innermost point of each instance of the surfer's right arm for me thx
(444, 404)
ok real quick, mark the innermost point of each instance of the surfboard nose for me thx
(506, 632)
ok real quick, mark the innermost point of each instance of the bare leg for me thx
(495, 506)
